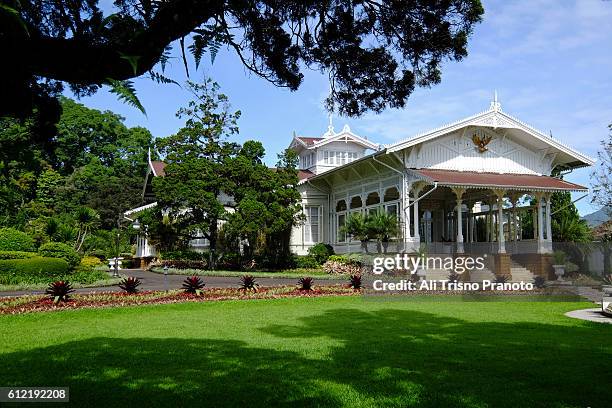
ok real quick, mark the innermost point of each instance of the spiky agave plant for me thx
(59, 291)
(248, 282)
(130, 285)
(305, 283)
(355, 282)
(502, 279)
(193, 284)
(539, 282)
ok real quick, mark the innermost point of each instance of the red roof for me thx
(158, 168)
(305, 174)
(484, 180)
(309, 140)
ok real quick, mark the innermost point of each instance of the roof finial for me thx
(495, 105)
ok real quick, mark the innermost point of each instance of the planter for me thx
(607, 290)
(559, 271)
(606, 306)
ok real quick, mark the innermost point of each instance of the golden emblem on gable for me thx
(481, 141)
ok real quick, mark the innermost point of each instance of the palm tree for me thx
(356, 227)
(382, 226)
(86, 219)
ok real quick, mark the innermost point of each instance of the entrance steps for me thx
(479, 275)
(519, 273)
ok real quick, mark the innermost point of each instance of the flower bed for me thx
(41, 303)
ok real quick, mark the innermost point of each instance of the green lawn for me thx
(315, 352)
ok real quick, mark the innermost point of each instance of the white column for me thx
(459, 194)
(540, 199)
(416, 189)
(406, 211)
(501, 246)
(548, 219)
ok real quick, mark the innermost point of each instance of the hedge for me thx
(321, 252)
(305, 261)
(14, 240)
(62, 251)
(17, 255)
(14, 271)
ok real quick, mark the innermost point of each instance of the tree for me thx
(375, 52)
(602, 176)
(197, 159)
(267, 203)
(382, 226)
(356, 226)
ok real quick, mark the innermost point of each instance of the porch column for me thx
(406, 211)
(548, 219)
(459, 194)
(470, 221)
(501, 247)
(416, 190)
(540, 198)
(513, 226)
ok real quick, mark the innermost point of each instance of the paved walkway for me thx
(592, 315)
(155, 281)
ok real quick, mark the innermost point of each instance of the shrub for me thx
(193, 284)
(14, 271)
(248, 282)
(89, 262)
(62, 251)
(59, 291)
(305, 261)
(87, 276)
(338, 264)
(186, 264)
(320, 252)
(17, 255)
(502, 279)
(453, 277)
(305, 283)
(184, 255)
(14, 240)
(355, 282)
(130, 285)
(539, 282)
(559, 258)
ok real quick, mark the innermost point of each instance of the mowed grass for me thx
(347, 352)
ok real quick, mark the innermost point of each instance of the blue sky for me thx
(549, 61)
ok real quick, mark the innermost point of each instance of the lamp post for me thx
(166, 278)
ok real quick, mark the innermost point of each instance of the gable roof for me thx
(493, 117)
(157, 167)
(345, 135)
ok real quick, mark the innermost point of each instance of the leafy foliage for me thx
(59, 291)
(321, 252)
(14, 240)
(14, 271)
(305, 283)
(539, 282)
(375, 53)
(130, 284)
(125, 92)
(355, 281)
(17, 255)
(62, 251)
(248, 282)
(502, 279)
(602, 175)
(193, 284)
(305, 261)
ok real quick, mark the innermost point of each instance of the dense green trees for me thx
(204, 170)
(88, 173)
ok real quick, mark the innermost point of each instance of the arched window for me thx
(356, 202)
(341, 206)
(391, 194)
(372, 199)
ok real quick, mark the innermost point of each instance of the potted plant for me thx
(559, 264)
(421, 253)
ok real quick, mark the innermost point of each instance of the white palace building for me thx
(457, 188)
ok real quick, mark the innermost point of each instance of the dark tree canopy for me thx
(374, 51)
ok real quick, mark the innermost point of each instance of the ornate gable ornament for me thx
(481, 141)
